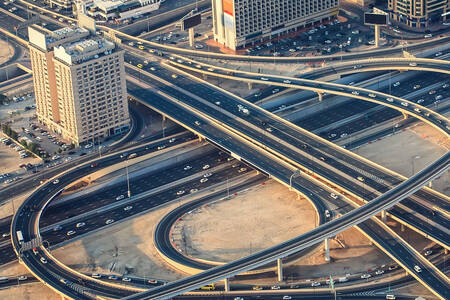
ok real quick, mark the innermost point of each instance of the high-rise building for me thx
(418, 13)
(238, 23)
(79, 83)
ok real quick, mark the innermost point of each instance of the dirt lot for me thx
(412, 149)
(260, 217)
(6, 51)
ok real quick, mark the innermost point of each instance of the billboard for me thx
(191, 21)
(375, 19)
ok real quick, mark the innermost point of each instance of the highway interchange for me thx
(208, 128)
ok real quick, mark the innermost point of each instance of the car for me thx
(123, 155)
(193, 191)
(197, 123)
(429, 35)
(393, 267)
(109, 221)
(56, 181)
(417, 269)
(420, 101)
(343, 135)
(413, 64)
(365, 276)
(390, 297)
(113, 277)
(242, 170)
(269, 129)
(322, 158)
(264, 78)
(174, 76)
(360, 178)
(445, 85)
(126, 279)
(438, 97)
(22, 278)
(257, 288)
(153, 281)
(207, 175)
(161, 147)
(203, 180)
(334, 196)
(120, 197)
(287, 297)
(315, 283)
(355, 93)
(80, 224)
(187, 168)
(152, 68)
(428, 252)
(172, 140)
(379, 272)
(6, 235)
(127, 208)
(205, 167)
(274, 91)
(287, 81)
(432, 92)
(416, 86)
(417, 110)
(372, 95)
(96, 275)
(405, 104)
(275, 287)
(57, 228)
(88, 146)
(140, 66)
(70, 232)
(327, 213)
(181, 192)
(397, 84)
(198, 46)
(238, 298)
(43, 260)
(64, 281)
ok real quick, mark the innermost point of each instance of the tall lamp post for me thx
(413, 159)
(128, 181)
(294, 175)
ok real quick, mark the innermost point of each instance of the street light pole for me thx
(128, 180)
(295, 174)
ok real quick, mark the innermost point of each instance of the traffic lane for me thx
(137, 185)
(99, 220)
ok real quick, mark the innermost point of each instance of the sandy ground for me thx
(29, 292)
(258, 218)
(412, 149)
(6, 51)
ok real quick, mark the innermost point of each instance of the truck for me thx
(19, 236)
(208, 287)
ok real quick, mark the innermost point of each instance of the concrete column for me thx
(405, 116)
(402, 228)
(445, 251)
(280, 269)
(250, 85)
(327, 249)
(226, 281)
(205, 77)
(377, 36)
(430, 184)
(383, 216)
(191, 36)
(320, 96)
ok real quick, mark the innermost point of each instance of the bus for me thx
(19, 237)
(4, 279)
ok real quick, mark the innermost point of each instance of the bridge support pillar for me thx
(383, 216)
(377, 36)
(205, 77)
(445, 251)
(327, 249)
(200, 139)
(402, 228)
(405, 116)
(280, 269)
(191, 37)
(430, 184)
(320, 95)
(250, 85)
(226, 282)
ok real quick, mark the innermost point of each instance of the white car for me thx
(56, 181)
(193, 191)
(264, 78)
(179, 193)
(405, 104)
(315, 283)
(355, 93)
(71, 232)
(187, 168)
(360, 178)
(207, 175)
(287, 297)
(417, 269)
(287, 81)
(127, 208)
(365, 276)
(372, 95)
(242, 170)
(80, 224)
(109, 221)
(120, 197)
(203, 180)
(397, 84)
(390, 99)
(88, 146)
(205, 167)
(334, 196)
(275, 287)
(420, 101)
(379, 272)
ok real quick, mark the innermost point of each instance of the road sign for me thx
(375, 19)
(191, 21)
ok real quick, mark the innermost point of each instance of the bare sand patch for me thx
(257, 218)
(6, 51)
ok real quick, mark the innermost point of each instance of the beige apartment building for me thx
(239, 23)
(79, 83)
(418, 13)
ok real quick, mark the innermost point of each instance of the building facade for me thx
(79, 83)
(239, 23)
(120, 9)
(418, 13)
